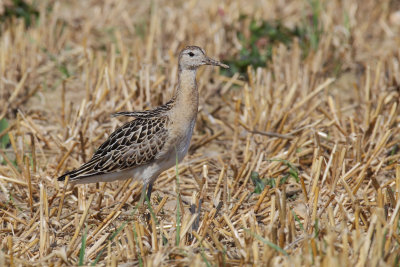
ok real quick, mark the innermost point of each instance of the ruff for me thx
(150, 144)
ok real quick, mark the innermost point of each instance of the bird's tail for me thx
(71, 174)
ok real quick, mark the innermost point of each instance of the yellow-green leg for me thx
(149, 188)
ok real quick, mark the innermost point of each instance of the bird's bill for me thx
(210, 61)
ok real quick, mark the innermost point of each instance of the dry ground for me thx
(335, 107)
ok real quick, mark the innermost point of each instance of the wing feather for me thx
(157, 112)
(136, 143)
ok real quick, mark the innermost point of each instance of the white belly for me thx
(144, 173)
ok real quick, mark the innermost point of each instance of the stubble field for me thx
(295, 158)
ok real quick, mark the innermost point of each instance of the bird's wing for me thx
(136, 143)
(157, 112)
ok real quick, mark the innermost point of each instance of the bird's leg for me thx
(142, 196)
(149, 189)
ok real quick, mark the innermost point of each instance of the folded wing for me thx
(157, 112)
(136, 143)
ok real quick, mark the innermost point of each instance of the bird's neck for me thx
(187, 95)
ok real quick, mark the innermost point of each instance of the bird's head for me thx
(193, 57)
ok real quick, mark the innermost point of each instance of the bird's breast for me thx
(183, 146)
(178, 144)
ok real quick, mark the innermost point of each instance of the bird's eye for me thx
(191, 54)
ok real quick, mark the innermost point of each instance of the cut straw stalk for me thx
(284, 98)
(74, 238)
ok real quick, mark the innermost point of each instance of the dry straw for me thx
(321, 129)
